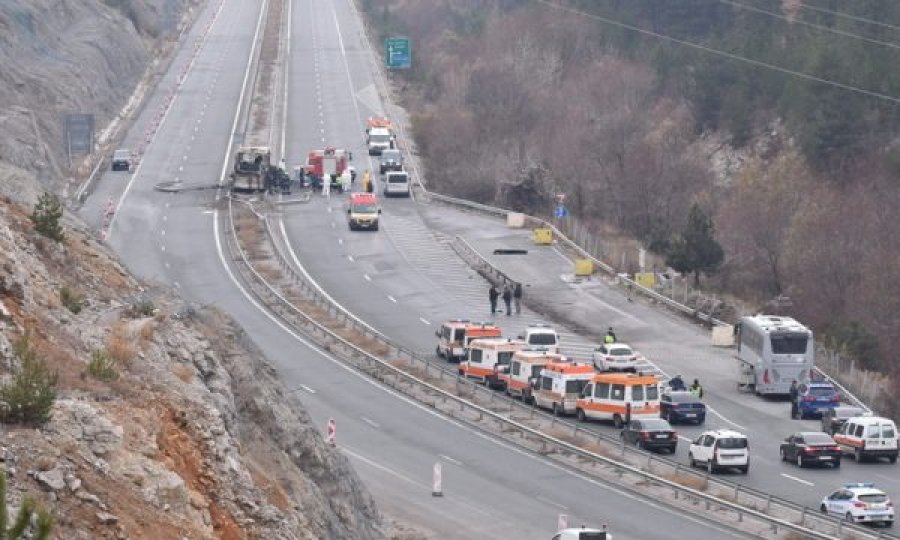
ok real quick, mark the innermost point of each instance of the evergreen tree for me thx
(46, 216)
(696, 249)
(29, 397)
(16, 530)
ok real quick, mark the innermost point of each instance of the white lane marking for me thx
(346, 450)
(168, 204)
(561, 256)
(795, 479)
(392, 299)
(163, 248)
(330, 209)
(165, 218)
(184, 157)
(372, 423)
(177, 285)
(424, 321)
(341, 241)
(332, 224)
(409, 480)
(685, 439)
(168, 265)
(367, 277)
(180, 168)
(450, 459)
(715, 412)
(551, 503)
(350, 258)
(162, 232)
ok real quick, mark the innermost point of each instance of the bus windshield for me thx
(788, 343)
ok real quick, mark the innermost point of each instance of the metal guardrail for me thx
(629, 283)
(808, 517)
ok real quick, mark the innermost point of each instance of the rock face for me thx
(194, 436)
(81, 56)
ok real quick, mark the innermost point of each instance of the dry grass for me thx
(687, 480)
(148, 329)
(120, 346)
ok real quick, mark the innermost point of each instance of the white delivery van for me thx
(396, 183)
(868, 437)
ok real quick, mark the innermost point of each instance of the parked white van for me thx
(868, 437)
(396, 183)
(541, 335)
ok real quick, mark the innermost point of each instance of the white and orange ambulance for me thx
(487, 357)
(451, 336)
(560, 384)
(524, 369)
(454, 337)
(619, 397)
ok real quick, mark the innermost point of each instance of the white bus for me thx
(773, 351)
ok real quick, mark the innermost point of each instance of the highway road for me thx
(404, 280)
(173, 240)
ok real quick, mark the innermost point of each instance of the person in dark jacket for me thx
(493, 294)
(795, 393)
(517, 296)
(676, 383)
(507, 299)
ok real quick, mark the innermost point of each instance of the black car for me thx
(682, 406)
(834, 418)
(653, 433)
(811, 447)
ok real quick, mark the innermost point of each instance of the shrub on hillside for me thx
(29, 397)
(46, 216)
(16, 530)
(71, 300)
(102, 366)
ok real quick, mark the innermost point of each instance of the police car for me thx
(860, 503)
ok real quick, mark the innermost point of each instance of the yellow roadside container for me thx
(542, 236)
(646, 279)
(584, 267)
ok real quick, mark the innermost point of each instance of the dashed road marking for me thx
(367, 277)
(795, 479)
(392, 299)
(551, 503)
(341, 241)
(424, 320)
(372, 423)
(308, 389)
(350, 258)
(450, 459)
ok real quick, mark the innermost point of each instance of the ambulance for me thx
(560, 384)
(487, 357)
(363, 212)
(523, 371)
(619, 397)
(454, 337)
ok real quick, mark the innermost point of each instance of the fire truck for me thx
(328, 162)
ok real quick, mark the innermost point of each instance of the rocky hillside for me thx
(73, 56)
(187, 434)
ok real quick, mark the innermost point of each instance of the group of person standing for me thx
(676, 383)
(510, 294)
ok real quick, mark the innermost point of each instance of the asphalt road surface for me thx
(404, 279)
(171, 239)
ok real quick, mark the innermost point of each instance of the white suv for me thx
(722, 449)
(860, 503)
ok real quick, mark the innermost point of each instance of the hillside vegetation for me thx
(514, 101)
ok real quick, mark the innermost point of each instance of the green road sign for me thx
(397, 53)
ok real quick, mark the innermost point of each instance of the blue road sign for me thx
(397, 53)
(561, 212)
